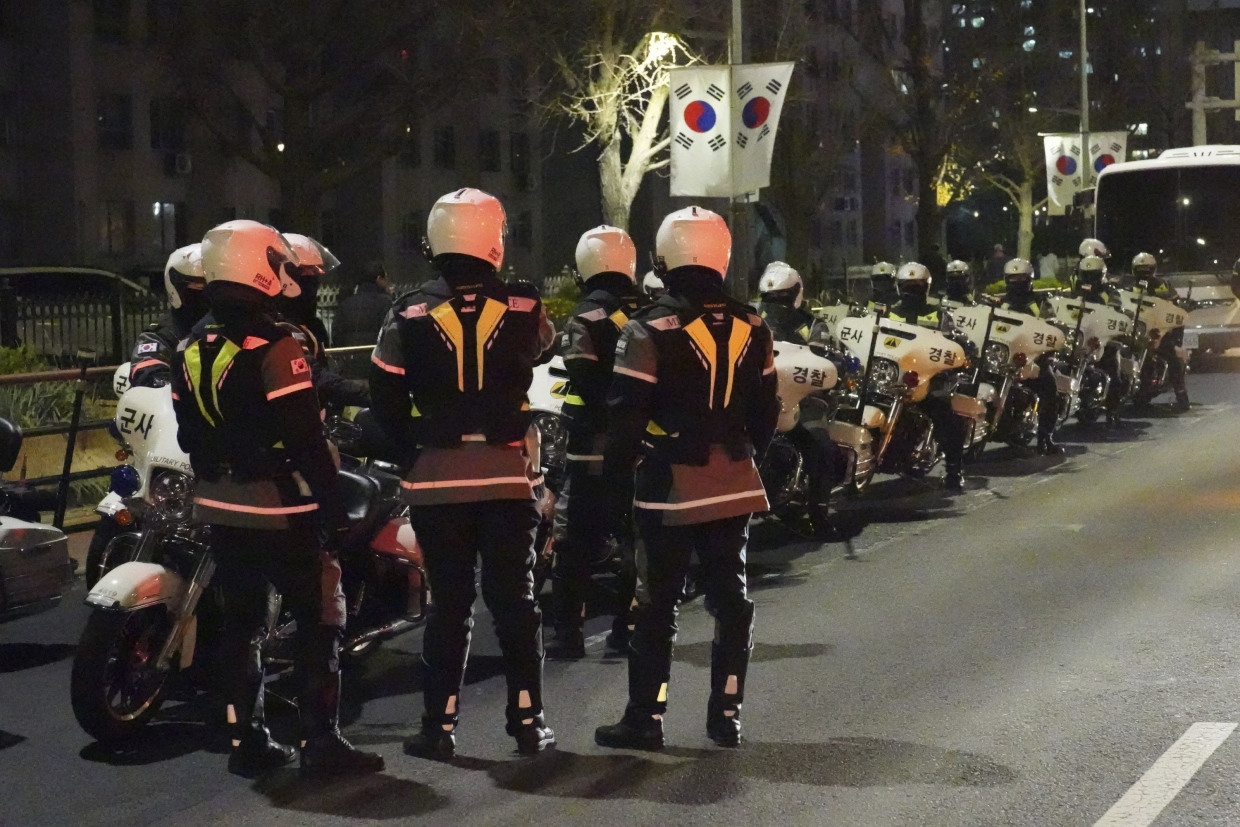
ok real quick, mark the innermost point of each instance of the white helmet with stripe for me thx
(313, 258)
(183, 271)
(248, 253)
(783, 281)
(694, 236)
(606, 249)
(469, 222)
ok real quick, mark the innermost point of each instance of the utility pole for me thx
(742, 247)
(1084, 50)
(1201, 102)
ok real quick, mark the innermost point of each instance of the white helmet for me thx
(1092, 264)
(1020, 267)
(913, 273)
(1144, 262)
(958, 266)
(252, 254)
(1093, 247)
(694, 236)
(653, 285)
(313, 259)
(606, 249)
(469, 222)
(183, 272)
(779, 277)
(883, 268)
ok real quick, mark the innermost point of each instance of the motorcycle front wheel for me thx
(115, 688)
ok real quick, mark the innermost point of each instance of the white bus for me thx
(1184, 207)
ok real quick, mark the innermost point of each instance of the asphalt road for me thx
(1054, 647)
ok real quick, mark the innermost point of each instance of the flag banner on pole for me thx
(701, 127)
(1064, 173)
(1106, 148)
(758, 92)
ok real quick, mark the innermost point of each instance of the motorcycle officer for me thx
(249, 420)
(695, 381)
(1091, 286)
(1020, 298)
(316, 262)
(607, 264)
(155, 347)
(883, 285)
(781, 293)
(914, 307)
(958, 284)
(1145, 277)
(462, 348)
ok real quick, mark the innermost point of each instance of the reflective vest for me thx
(700, 381)
(461, 360)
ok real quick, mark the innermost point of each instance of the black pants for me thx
(308, 580)
(1047, 391)
(949, 430)
(453, 537)
(1175, 365)
(582, 542)
(720, 547)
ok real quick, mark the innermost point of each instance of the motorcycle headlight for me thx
(171, 494)
(884, 372)
(996, 357)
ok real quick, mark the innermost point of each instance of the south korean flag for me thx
(701, 122)
(758, 92)
(1064, 175)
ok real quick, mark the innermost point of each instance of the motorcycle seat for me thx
(359, 493)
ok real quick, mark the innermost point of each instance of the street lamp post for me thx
(1084, 50)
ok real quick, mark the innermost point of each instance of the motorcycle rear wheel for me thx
(115, 689)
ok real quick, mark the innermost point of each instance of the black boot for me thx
(953, 482)
(727, 692)
(1181, 401)
(254, 751)
(634, 731)
(1048, 447)
(432, 742)
(532, 737)
(326, 752)
(619, 636)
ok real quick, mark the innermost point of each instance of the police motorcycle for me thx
(878, 425)
(145, 427)
(153, 616)
(1152, 318)
(1009, 344)
(1088, 329)
(807, 376)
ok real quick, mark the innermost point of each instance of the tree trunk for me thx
(1024, 235)
(616, 203)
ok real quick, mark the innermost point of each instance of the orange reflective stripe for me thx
(290, 389)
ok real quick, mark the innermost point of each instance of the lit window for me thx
(978, 22)
(1066, 54)
(1029, 45)
(1029, 31)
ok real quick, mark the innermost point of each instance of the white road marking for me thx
(1163, 781)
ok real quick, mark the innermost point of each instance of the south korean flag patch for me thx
(148, 347)
(299, 366)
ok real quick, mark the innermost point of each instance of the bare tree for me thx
(618, 91)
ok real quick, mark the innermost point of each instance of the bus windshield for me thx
(1188, 217)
